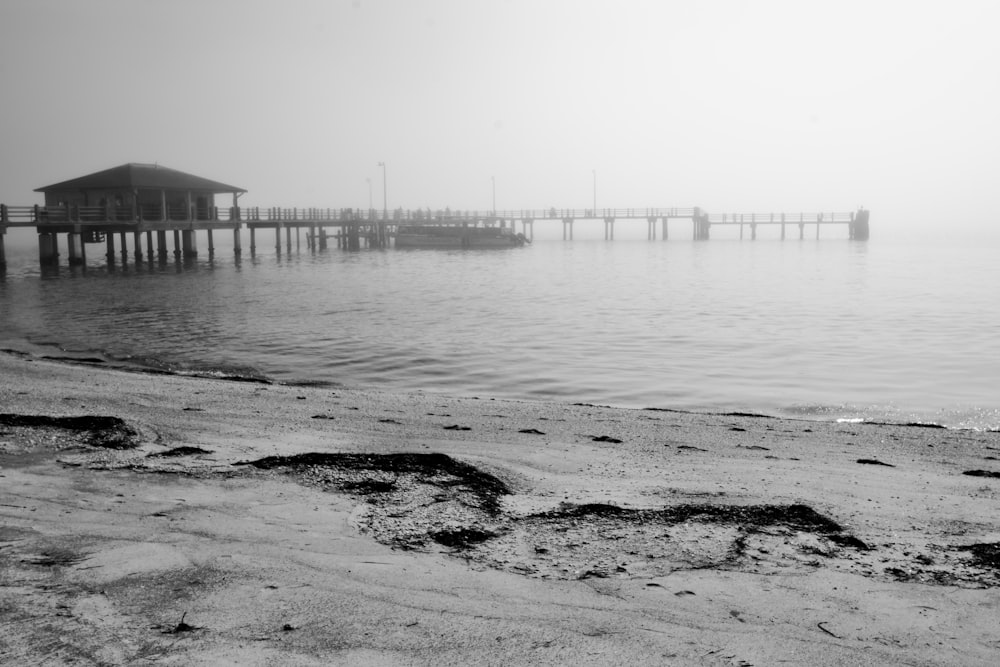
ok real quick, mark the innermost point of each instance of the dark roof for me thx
(136, 175)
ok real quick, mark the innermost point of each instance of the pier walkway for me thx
(351, 228)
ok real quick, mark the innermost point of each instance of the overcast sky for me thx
(732, 106)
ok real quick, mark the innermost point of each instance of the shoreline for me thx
(255, 377)
(621, 535)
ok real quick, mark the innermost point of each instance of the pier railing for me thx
(39, 216)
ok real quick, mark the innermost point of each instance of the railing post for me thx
(3, 213)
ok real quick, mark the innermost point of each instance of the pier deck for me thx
(352, 227)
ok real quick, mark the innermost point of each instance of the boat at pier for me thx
(453, 236)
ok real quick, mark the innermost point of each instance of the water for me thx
(899, 331)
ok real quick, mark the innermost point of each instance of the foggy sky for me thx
(732, 106)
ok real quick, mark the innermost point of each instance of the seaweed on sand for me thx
(429, 468)
(98, 431)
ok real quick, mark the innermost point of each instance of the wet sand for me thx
(238, 523)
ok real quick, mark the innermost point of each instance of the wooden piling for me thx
(48, 249)
(161, 244)
(74, 243)
(190, 243)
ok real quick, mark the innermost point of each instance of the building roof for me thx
(138, 175)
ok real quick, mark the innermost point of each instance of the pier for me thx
(162, 210)
(156, 232)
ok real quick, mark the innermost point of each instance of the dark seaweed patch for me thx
(433, 468)
(99, 431)
(180, 451)
(875, 462)
(461, 538)
(364, 487)
(797, 517)
(981, 473)
(985, 555)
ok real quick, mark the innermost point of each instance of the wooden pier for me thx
(161, 231)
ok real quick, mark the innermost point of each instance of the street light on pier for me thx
(494, 179)
(370, 207)
(595, 191)
(385, 199)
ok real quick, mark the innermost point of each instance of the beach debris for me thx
(456, 427)
(532, 431)
(820, 626)
(692, 448)
(605, 438)
(875, 462)
(182, 627)
(981, 473)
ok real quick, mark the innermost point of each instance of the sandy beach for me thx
(191, 521)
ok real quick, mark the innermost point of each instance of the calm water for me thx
(888, 331)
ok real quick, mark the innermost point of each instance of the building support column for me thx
(190, 243)
(110, 246)
(277, 240)
(651, 229)
(237, 246)
(161, 244)
(211, 245)
(137, 242)
(609, 229)
(149, 246)
(48, 249)
(664, 230)
(253, 241)
(74, 241)
(177, 244)
(322, 239)
(288, 239)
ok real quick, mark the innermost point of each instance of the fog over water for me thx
(888, 331)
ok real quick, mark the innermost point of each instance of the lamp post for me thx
(595, 191)
(494, 179)
(385, 200)
(369, 195)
